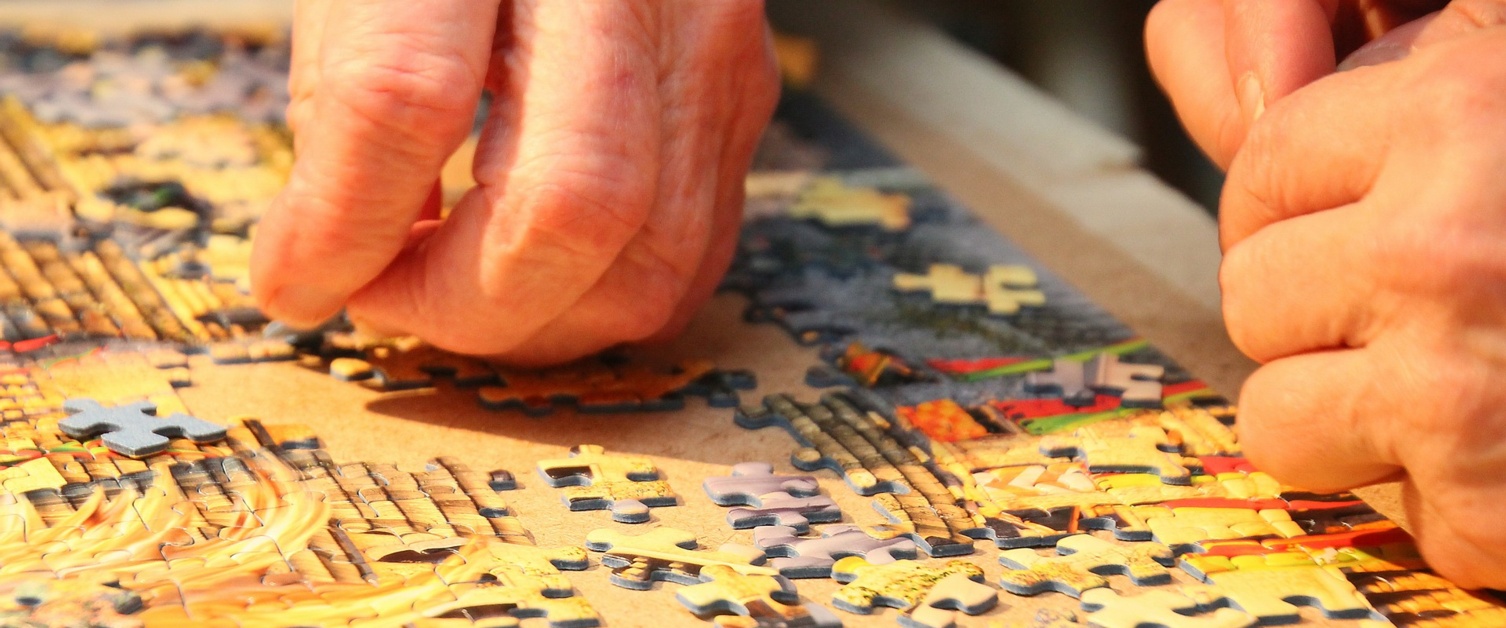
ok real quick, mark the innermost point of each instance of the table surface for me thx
(1069, 193)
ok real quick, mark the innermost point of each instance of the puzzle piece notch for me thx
(758, 601)
(956, 594)
(1081, 563)
(1002, 289)
(668, 554)
(1159, 609)
(752, 480)
(1080, 383)
(134, 430)
(783, 509)
(798, 557)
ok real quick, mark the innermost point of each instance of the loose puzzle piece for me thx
(595, 480)
(955, 594)
(783, 509)
(797, 557)
(1154, 608)
(753, 600)
(1080, 383)
(668, 554)
(1082, 562)
(751, 480)
(134, 430)
(1270, 594)
(900, 584)
(833, 204)
(1003, 289)
(1122, 447)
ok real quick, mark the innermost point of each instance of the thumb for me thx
(397, 85)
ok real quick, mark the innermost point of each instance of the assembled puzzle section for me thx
(260, 527)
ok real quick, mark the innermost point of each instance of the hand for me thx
(609, 171)
(1224, 62)
(1364, 228)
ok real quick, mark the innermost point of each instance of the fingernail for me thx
(1393, 46)
(304, 307)
(1251, 96)
(1376, 53)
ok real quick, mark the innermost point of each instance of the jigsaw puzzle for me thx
(973, 396)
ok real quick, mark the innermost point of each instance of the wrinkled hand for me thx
(1364, 229)
(1225, 61)
(609, 171)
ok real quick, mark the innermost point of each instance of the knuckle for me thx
(404, 88)
(588, 219)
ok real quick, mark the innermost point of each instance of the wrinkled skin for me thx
(1364, 230)
(609, 172)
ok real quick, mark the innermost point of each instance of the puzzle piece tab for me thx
(1081, 564)
(134, 430)
(797, 557)
(755, 600)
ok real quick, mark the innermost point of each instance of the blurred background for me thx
(1090, 55)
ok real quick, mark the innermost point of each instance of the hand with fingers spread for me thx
(610, 168)
(1364, 230)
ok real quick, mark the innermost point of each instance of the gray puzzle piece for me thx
(1080, 383)
(797, 557)
(750, 481)
(134, 430)
(783, 509)
(1066, 378)
(1135, 384)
